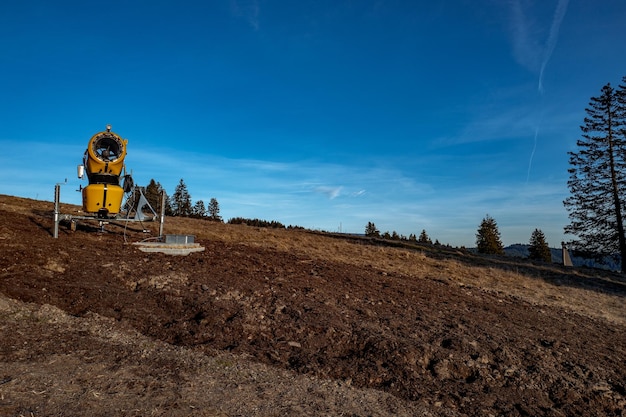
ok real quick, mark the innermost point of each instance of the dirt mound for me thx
(266, 325)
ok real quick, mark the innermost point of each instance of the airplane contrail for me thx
(559, 14)
(532, 154)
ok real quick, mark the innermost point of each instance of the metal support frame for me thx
(58, 216)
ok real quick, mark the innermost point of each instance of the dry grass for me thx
(553, 285)
(591, 293)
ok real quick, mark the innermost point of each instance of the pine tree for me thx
(488, 237)
(199, 210)
(154, 193)
(597, 180)
(539, 249)
(371, 230)
(424, 238)
(169, 211)
(214, 210)
(181, 200)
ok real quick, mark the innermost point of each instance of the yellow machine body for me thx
(104, 163)
(102, 198)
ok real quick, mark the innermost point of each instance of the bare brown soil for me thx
(286, 322)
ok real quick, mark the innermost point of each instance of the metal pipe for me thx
(162, 219)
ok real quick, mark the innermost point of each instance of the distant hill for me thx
(519, 250)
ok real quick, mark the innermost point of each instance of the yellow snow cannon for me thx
(104, 163)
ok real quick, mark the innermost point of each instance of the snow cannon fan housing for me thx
(104, 163)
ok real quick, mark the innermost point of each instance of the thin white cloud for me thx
(330, 192)
(559, 14)
(532, 53)
(499, 115)
(248, 10)
(529, 49)
(525, 43)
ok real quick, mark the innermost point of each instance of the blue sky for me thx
(324, 114)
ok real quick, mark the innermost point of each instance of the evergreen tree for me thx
(597, 180)
(539, 249)
(424, 238)
(214, 210)
(199, 209)
(181, 200)
(169, 211)
(371, 230)
(154, 193)
(488, 237)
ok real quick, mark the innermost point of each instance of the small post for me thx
(567, 261)
(162, 219)
(57, 211)
(57, 199)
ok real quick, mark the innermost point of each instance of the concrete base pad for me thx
(169, 248)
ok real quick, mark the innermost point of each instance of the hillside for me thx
(612, 263)
(269, 322)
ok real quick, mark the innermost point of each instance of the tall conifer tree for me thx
(539, 249)
(598, 177)
(488, 237)
(214, 210)
(199, 209)
(424, 238)
(371, 230)
(154, 193)
(181, 200)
